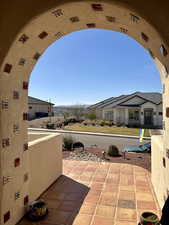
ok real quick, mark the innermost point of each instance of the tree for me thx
(78, 111)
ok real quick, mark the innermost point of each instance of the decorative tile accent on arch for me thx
(74, 19)
(15, 94)
(164, 162)
(163, 50)
(124, 30)
(7, 68)
(26, 200)
(163, 125)
(91, 25)
(25, 116)
(26, 177)
(23, 38)
(6, 179)
(5, 142)
(151, 53)
(144, 37)
(15, 128)
(25, 85)
(58, 35)
(36, 56)
(166, 70)
(111, 19)
(43, 35)
(17, 162)
(167, 153)
(7, 216)
(5, 104)
(97, 7)
(57, 12)
(25, 147)
(167, 112)
(22, 62)
(17, 195)
(134, 18)
(163, 88)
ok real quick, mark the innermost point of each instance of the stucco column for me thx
(126, 116)
(14, 148)
(115, 115)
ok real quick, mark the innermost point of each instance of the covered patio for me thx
(98, 193)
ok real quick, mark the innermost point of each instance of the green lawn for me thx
(105, 129)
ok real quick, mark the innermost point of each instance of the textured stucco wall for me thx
(27, 28)
(45, 163)
(159, 172)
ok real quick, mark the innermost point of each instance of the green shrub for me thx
(50, 126)
(102, 123)
(113, 151)
(68, 142)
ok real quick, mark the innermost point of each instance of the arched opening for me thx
(18, 61)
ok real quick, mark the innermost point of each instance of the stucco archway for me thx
(28, 34)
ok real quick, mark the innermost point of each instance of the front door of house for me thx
(148, 117)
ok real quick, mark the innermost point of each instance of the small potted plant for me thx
(37, 210)
(149, 218)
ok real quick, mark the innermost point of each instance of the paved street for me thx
(102, 141)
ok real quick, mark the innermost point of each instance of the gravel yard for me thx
(95, 154)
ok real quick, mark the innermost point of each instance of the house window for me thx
(108, 116)
(160, 113)
(30, 107)
(134, 115)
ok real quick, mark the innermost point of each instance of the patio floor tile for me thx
(102, 221)
(126, 214)
(98, 193)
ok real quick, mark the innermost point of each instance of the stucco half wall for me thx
(45, 163)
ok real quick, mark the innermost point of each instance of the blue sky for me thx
(91, 65)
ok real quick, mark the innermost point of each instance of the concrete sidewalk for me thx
(86, 133)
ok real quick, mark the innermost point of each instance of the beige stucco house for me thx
(39, 108)
(137, 109)
(27, 29)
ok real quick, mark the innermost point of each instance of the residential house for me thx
(39, 108)
(137, 109)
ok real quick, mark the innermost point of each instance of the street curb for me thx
(86, 133)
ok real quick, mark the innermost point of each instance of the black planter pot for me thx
(37, 211)
(149, 218)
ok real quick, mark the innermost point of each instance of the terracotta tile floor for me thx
(90, 193)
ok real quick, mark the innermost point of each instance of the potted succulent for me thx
(37, 210)
(149, 218)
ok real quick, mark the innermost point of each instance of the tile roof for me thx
(32, 100)
(154, 97)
